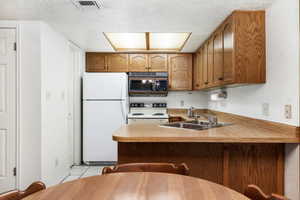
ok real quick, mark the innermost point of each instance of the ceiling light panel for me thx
(168, 41)
(127, 41)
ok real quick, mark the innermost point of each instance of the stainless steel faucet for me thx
(212, 119)
(190, 112)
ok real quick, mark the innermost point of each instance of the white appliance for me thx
(148, 113)
(105, 108)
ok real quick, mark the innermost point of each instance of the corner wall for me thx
(29, 103)
(56, 152)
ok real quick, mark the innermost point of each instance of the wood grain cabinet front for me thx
(218, 56)
(180, 71)
(96, 62)
(138, 63)
(158, 62)
(235, 52)
(117, 62)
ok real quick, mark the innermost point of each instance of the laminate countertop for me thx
(242, 130)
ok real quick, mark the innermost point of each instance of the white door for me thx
(7, 109)
(100, 120)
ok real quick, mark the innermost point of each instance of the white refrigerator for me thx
(105, 108)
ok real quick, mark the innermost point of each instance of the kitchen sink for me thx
(195, 125)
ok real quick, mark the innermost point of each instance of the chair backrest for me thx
(149, 167)
(253, 192)
(18, 195)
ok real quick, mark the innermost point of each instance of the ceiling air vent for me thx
(88, 4)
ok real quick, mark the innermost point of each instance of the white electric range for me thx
(149, 113)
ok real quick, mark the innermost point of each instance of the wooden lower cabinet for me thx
(232, 165)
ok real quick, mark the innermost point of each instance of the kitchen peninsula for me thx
(234, 155)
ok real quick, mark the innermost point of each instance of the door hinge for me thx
(15, 46)
(15, 171)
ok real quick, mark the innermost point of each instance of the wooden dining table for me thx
(138, 186)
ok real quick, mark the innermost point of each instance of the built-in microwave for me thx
(148, 83)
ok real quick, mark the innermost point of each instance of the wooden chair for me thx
(255, 193)
(18, 195)
(149, 167)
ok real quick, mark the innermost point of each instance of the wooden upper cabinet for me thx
(218, 59)
(138, 63)
(96, 62)
(158, 62)
(235, 53)
(228, 43)
(117, 62)
(210, 62)
(180, 71)
(198, 82)
(249, 46)
(196, 68)
(205, 66)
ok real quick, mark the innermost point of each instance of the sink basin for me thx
(195, 125)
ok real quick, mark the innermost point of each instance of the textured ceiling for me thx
(85, 27)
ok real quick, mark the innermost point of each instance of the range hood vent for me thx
(88, 4)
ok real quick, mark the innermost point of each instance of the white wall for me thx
(282, 87)
(55, 138)
(196, 99)
(29, 103)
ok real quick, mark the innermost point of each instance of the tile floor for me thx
(82, 171)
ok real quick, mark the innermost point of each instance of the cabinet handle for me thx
(221, 79)
(206, 83)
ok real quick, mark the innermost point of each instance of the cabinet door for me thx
(218, 59)
(117, 62)
(180, 71)
(96, 62)
(210, 62)
(158, 62)
(196, 71)
(200, 62)
(138, 63)
(205, 66)
(228, 43)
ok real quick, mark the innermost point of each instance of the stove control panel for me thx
(137, 105)
(159, 105)
(144, 105)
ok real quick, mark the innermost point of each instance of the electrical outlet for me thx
(288, 111)
(265, 109)
(182, 103)
(56, 162)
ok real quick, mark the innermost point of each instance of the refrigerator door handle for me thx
(122, 110)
